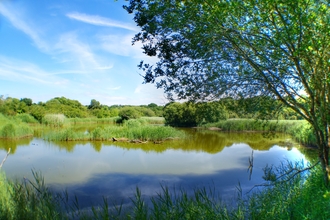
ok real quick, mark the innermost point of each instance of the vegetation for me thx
(73, 109)
(300, 130)
(14, 128)
(213, 49)
(133, 130)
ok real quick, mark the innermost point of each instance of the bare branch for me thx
(4, 159)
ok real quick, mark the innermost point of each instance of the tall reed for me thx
(131, 129)
(15, 130)
(28, 200)
(54, 120)
(300, 130)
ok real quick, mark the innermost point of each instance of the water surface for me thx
(93, 170)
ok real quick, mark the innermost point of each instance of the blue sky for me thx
(78, 49)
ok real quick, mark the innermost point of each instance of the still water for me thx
(93, 170)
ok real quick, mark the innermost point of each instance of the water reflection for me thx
(93, 170)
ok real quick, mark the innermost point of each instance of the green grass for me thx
(155, 120)
(93, 120)
(299, 129)
(137, 129)
(28, 200)
(14, 128)
(54, 120)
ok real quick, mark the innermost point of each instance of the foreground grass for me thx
(300, 196)
(299, 129)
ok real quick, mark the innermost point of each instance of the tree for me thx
(180, 114)
(94, 104)
(216, 48)
(128, 112)
(27, 101)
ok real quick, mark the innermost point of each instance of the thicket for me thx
(176, 114)
(74, 109)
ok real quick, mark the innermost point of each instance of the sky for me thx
(78, 49)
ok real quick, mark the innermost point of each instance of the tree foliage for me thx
(191, 114)
(215, 48)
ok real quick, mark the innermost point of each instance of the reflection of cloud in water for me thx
(121, 187)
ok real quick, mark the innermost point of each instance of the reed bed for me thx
(137, 129)
(15, 130)
(54, 120)
(155, 120)
(93, 120)
(28, 200)
(299, 129)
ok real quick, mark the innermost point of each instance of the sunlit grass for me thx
(14, 128)
(155, 120)
(54, 120)
(299, 129)
(137, 129)
(92, 120)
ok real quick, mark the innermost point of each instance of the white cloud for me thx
(100, 21)
(79, 53)
(21, 71)
(16, 18)
(121, 45)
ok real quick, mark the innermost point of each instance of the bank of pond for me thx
(169, 170)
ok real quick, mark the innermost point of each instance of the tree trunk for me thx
(323, 142)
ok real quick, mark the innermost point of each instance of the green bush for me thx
(27, 118)
(17, 130)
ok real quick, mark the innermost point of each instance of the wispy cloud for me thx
(15, 16)
(100, 21)
(77, 52)
(17, 70)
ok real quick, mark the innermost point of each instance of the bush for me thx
(13, 131)
(27, 118)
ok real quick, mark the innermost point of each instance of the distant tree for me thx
(180, 114)
(152, 105)
(128, 112)
(208, 112)
(27, 101)
(38, 112)
(94, 104)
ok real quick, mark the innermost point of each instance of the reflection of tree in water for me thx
(69, 146)
(5, 144)
(197, 140)
(97, 145)
(212, 142)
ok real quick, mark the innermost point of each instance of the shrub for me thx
(27, 118)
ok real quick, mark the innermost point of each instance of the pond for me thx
(93, 170)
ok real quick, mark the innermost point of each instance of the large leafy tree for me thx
(214, 48)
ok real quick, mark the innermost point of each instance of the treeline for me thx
(74, 109)
(175, 113)
(192, 114)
